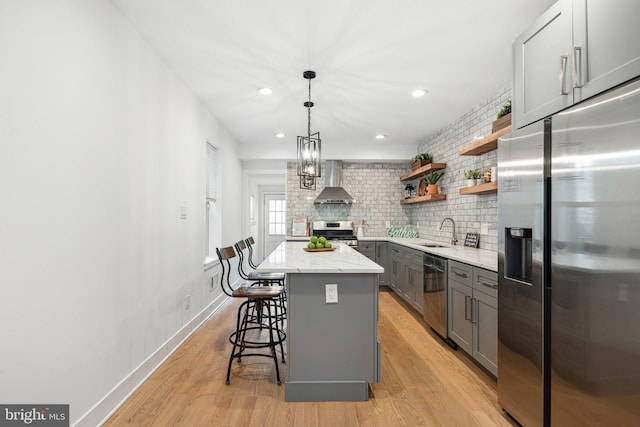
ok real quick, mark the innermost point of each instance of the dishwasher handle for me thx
(434, 267)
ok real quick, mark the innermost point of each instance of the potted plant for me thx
(420, 160)
(471, 175)
(432, 179)
(503, 118)
(477, 175)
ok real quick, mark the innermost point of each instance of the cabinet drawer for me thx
(461, 273)
(366, 246)
(485, 281)
(412, 256)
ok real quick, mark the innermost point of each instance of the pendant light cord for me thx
(309, 113)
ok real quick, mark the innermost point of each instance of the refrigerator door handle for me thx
(563, 70)
(467, 307)
(577, 67)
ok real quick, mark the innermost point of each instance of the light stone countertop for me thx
(290, 257)
(482, 258)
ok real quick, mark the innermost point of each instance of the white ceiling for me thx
(368, 55)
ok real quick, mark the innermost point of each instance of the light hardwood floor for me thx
(424, 382)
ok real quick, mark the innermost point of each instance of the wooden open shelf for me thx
(485, 144)
(423, 171)
(421, 199)
(486, 188)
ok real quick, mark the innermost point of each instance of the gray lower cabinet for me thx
(382, 258)
(406, 274)
(367, 249)
(413, 286)
(377, 251)
(473, 312)
(395, 270)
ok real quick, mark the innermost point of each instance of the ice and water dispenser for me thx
(518, 254)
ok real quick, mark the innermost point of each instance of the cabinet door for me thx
(408, 287)
(393, 275)
(485, 331)
(606, 43)
(367, 249)
(416, 279)
(382, 259)
(541, 54)
(459, 326)
(396, 275)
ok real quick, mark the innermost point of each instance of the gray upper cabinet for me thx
(542, 67)
(606, 41)
(576, 49)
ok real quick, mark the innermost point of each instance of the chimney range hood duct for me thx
(333, 193)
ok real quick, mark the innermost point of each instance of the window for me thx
(277, 214)
(252, 210)
(212, 204)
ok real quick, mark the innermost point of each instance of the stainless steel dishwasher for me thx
(435, 294)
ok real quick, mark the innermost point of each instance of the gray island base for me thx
(333, 352)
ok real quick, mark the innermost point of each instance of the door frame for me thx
(262, 226)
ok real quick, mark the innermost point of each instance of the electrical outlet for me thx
(387, 224)
(187, 302)
(214, 281)
(484, 228)
(331, 293)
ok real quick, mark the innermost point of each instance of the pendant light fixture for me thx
(309, 147)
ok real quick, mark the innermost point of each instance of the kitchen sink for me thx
(433, 245)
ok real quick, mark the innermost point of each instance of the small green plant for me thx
(472, 174)
(421, 156)
(433, 177)
(506, 109)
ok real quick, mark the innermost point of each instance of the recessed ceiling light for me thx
(419, 92)
(380, 136)
(279, 135)
(265, 90)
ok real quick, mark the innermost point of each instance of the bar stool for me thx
(256, 316)
(250, 242)
(263, 279)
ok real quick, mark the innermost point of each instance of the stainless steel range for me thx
(341, 231)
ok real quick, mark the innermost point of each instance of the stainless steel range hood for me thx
(333, 193)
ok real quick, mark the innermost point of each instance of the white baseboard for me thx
(108, 405)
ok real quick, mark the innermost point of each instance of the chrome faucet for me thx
(454, 239)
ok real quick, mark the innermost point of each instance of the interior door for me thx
(274, 218)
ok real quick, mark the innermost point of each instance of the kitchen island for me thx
(333, 352)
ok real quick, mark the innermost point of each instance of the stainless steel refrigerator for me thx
(569, 265)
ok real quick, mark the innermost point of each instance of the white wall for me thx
(101, 144)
